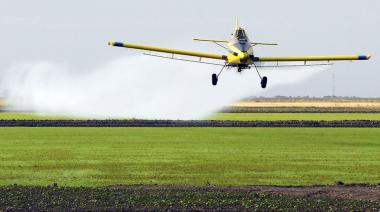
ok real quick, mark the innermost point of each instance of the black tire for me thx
(264, 82)
(214, 79)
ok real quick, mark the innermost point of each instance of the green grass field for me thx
(196, 156)
(229, 116)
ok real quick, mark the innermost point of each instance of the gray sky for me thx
(76, 32)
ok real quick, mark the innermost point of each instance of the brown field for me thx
(305, 104)
(308, 105)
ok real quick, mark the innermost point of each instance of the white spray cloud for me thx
(138, 87)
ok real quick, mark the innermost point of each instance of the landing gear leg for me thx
(215, 77)
(264, 80)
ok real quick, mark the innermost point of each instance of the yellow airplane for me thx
(240, 55)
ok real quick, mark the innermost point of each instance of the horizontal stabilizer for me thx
(264, 44)
(215, 41)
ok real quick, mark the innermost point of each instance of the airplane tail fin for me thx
(237, 25)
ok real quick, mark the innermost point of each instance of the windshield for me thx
(240, 34)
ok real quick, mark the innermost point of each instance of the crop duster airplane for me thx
(240, 55)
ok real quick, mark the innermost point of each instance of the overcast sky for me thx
(75, 33)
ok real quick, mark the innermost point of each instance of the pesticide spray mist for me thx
(138, 87)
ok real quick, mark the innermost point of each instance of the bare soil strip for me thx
(306, 105)
(311, 104)
(343, 192)
(190, 198)
(299, 110)
(170, 123)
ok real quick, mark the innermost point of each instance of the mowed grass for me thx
(225, 116)
(194, 156)
(295, 116)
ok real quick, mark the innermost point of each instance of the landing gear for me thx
(214, 79)
(264, 80)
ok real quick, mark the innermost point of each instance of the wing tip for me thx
(119, 44)
(364, 57)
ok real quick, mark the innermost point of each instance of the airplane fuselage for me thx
(240, 50)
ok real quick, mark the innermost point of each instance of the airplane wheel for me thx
(214, 79)
(264, 82)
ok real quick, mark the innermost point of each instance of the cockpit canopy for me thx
(240, 35)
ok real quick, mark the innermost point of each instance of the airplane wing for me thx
(167, 50)
(226, 41)
(313, 58)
